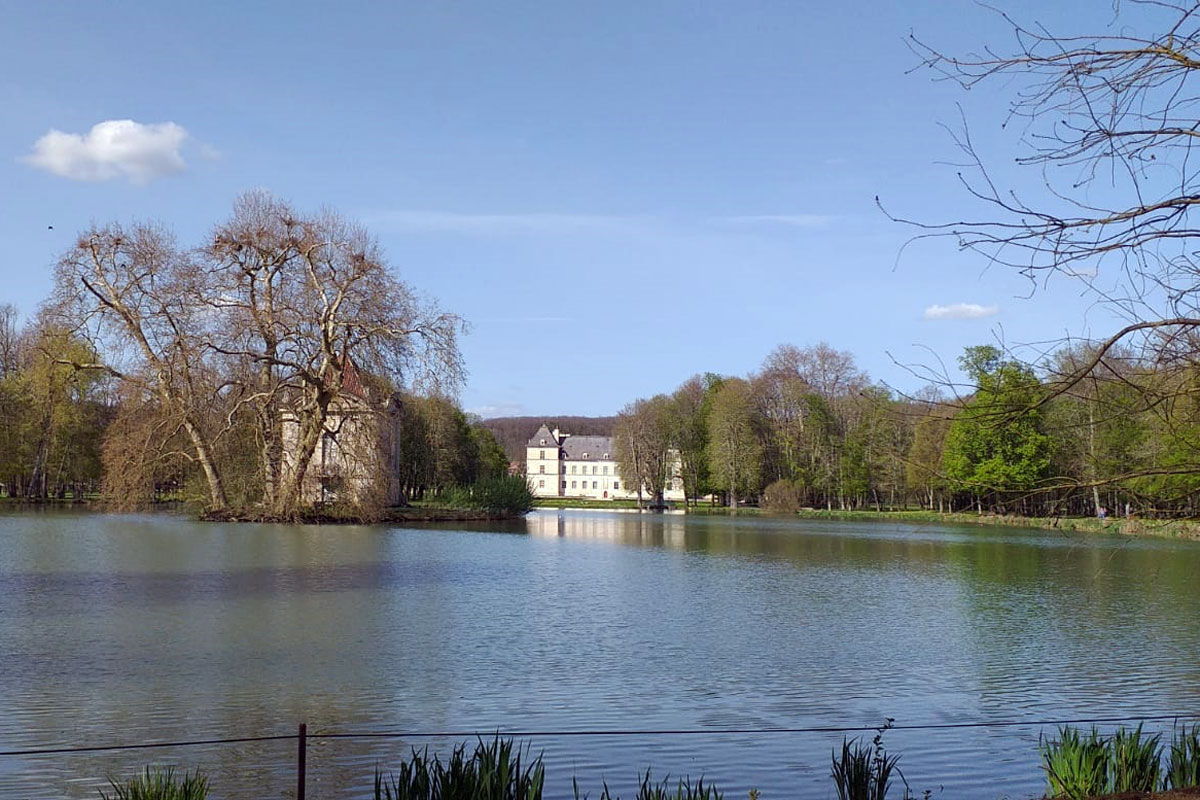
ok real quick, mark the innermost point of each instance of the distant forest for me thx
(513, 432)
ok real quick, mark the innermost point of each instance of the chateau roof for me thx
(588, 448)
(543, 438)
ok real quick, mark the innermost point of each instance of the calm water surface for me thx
(121, 629)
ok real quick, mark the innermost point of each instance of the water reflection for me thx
(143, 627)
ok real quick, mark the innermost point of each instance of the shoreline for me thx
(387, 516)
(1186, 529)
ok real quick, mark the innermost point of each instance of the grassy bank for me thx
(1178, 529)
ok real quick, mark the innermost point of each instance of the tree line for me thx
(218, 372)
(809, 429)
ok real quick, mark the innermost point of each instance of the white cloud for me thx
(114, 148)
(499, 410)
(793, 220)
(497, 224)
(960, 311)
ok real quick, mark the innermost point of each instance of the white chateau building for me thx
(561, 465)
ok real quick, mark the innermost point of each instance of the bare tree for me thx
(1107, 122)
(10, 340)
(288, 327)
(643, 440)
(131, 292)
(312, 306)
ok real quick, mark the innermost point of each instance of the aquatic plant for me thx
(498, 770)
(662, 790)
(1183, 758)
(862, 772)
(1135, 761)
(1076, 766)
(159, 784)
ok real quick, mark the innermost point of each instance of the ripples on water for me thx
(135, 628)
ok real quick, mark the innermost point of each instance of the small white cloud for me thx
(114, 148)
(524, 320)
(961, 311)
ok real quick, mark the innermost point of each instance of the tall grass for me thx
(1135, 761)
(1183, 758)
(496, 770)
(1076, 766)
(159, 784)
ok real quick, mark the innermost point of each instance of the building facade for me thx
(561, 465)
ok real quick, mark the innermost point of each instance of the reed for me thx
(1076, 766)
(159, 784)
(1183, 758)
(496, 770)
(1135, 761)
(662, 790)
(862, 772)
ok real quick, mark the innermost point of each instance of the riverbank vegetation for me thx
(275, 367)
(1078, 765)
(810, 431)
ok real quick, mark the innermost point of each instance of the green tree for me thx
(995, 446)
(734, 449)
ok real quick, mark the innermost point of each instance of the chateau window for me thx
(572, 469)
(573, 484)
(593, 469)
(541, 454)
(542, 468)
(616, 484)
(564, 484)
(595, 484)
(564, 469)
(541, 484)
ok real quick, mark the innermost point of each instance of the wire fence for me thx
(302, 736)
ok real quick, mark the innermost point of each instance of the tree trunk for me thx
(216, 488)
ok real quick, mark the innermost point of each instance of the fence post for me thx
(302, 752)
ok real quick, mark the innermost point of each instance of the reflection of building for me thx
(561, 465)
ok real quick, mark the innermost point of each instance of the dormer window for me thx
(543, 442)
(585, 455)
(606, 456)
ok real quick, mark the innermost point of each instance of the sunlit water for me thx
(122, 629)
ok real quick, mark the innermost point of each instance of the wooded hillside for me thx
(513, 432)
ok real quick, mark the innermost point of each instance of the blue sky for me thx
(614, 195)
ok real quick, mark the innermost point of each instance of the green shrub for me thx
(495, 771)
(504, 494)
(1183, 760)
(1076, 767)
(1135, 761)
(159, 784)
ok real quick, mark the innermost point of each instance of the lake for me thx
(124, 629)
